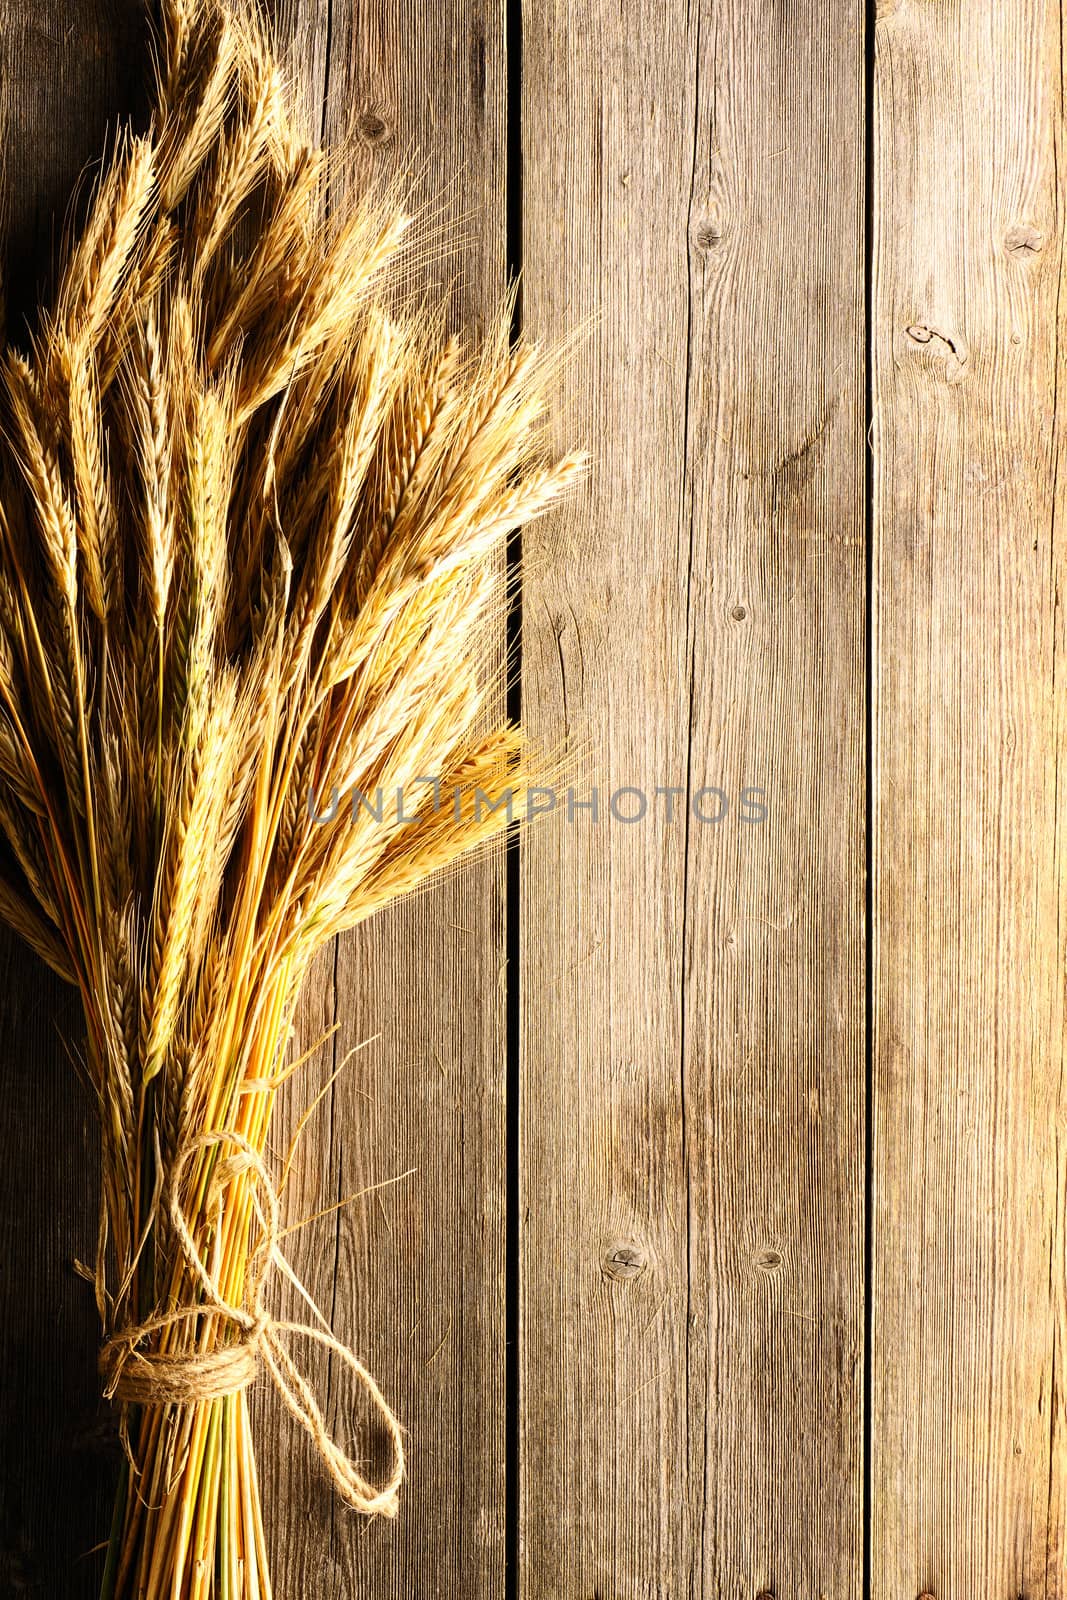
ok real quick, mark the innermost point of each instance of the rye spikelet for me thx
(248, 514)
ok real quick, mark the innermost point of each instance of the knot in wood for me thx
(623, 1262)
(373, 128)
(706, 235)
(1023, 240)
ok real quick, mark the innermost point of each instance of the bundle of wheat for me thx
(247, 513)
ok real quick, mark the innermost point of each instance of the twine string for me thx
(141, 1377)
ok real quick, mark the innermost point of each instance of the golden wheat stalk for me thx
(248, 510)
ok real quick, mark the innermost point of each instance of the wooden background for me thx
(730, 1255)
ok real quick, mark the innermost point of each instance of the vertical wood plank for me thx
(968, 1312)
(413, 1277)
(411, 1274)
(693, 993)
(67, 74)
(298, 1514)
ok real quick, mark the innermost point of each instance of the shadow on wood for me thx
(57, 1441)
(68, 76)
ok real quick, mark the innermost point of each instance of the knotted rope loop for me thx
(145, 1377)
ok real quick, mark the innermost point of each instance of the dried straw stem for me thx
(249, 512)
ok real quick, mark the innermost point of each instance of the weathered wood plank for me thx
(412, 1274)
(968, 1289)
(693, 1070)
(66, 76)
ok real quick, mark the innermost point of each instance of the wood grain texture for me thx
(412, 1273)
(967, 584)
(66, 76)
(693, 1068)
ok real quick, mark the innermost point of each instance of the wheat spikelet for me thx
(100, 260)
(251, 500)
(20, 915)
(95, 520)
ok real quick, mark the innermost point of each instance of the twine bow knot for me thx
(187, 1377)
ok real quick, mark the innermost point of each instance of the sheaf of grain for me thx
(252, 503)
